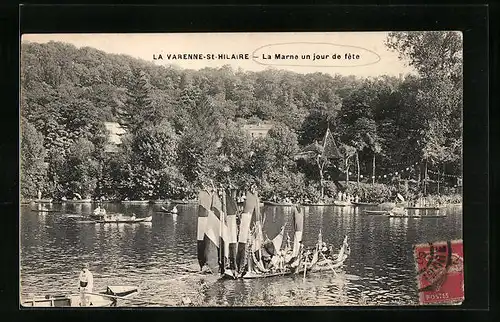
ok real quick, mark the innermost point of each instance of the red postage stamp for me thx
(440, 272)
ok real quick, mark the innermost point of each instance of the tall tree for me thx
(32, 166)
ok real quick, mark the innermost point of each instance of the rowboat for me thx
(375, 212)
(42, 200)
(424, 208)
(341, 203)
(107, 298)
(124, 220)
(363, 204)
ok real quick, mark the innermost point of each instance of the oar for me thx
(127, 299)
(333, 270)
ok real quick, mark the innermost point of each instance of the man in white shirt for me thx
(85, 285)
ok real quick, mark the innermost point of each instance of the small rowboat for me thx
(125, 220)
(364, 204)
(375, 212)
(424, 208)
(107, 298)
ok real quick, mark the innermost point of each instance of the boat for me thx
(425, 208)
(342, 203)
(246, 255)
(106, 298)
(43, 200)
(125, 220)
(159, 202)
(277, 204)
(360, 204)
(376, 212)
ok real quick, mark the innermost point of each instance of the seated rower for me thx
(97, 211)
(102, 212)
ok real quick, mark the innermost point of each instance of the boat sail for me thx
(243, 253)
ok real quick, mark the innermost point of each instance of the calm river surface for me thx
(160, 257)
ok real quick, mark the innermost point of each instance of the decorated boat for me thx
(244, 253)
(106, 298)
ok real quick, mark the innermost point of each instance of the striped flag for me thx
(204, 203)
(298, 223)
(231, 210)
(213, 233)
(246, 218)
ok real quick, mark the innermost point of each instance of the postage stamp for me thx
(440, 272)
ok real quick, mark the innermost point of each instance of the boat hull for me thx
(125, 221)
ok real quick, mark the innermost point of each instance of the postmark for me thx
(440, 272)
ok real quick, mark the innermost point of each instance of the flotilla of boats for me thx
(236, 251)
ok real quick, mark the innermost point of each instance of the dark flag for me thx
(204, 202)
(231, 210)
(246, 218)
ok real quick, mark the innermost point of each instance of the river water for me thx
(160, 257)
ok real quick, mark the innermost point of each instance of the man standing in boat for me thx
(85, 285)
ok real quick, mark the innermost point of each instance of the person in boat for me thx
(133, 217)
(102, 212)
(356, 198)
(339, 195)
(85, 285)
(97, 211)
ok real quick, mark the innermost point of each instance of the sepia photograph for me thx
(241, 169)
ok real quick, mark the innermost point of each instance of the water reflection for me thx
(160, 257)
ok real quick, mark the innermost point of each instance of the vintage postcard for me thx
(241, 169)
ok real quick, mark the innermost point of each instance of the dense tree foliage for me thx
(185, 128)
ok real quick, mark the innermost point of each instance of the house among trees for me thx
(114, 140)
(258, 130)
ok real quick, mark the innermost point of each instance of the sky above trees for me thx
(144, 46)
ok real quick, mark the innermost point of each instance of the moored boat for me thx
(107, 298)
